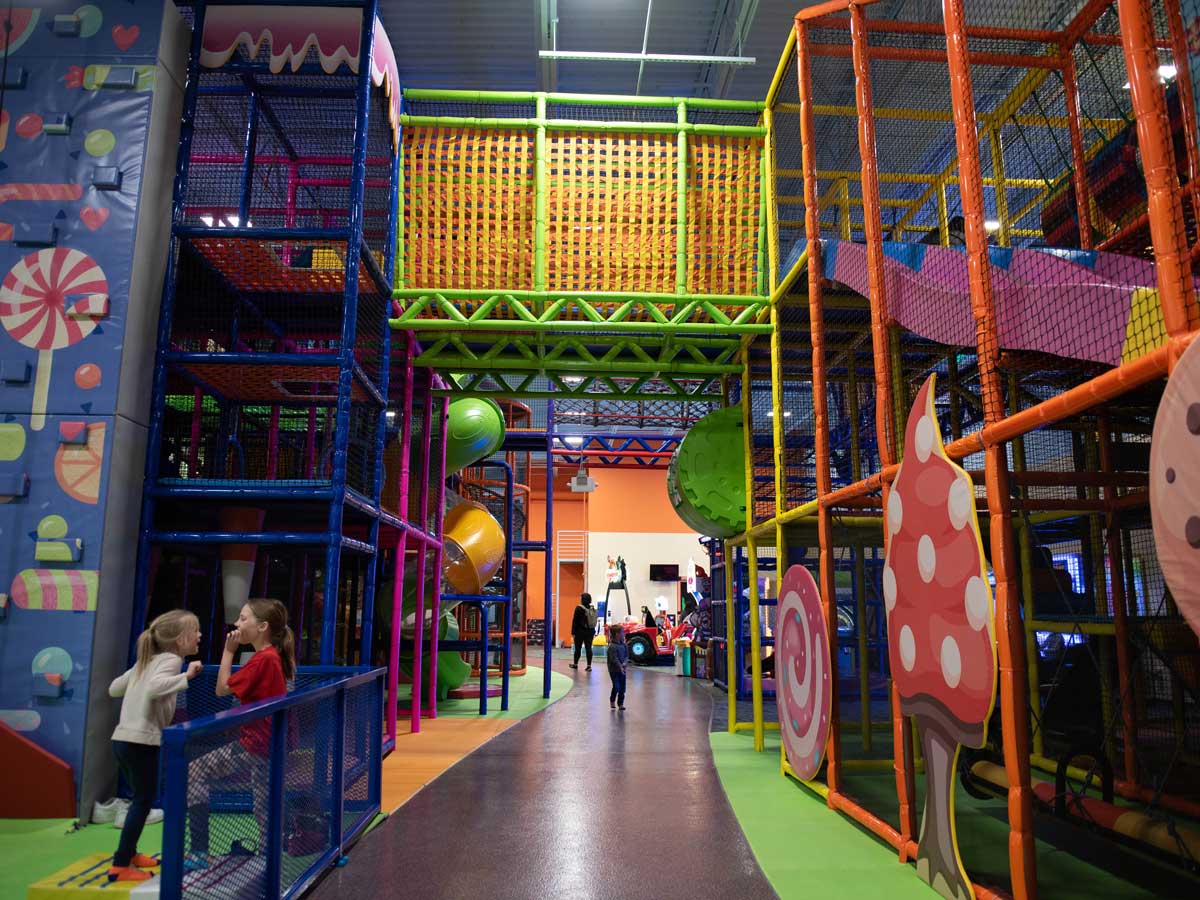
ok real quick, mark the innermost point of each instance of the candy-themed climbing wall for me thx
(79, 87)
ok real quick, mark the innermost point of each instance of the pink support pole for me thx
(423, 505)
(394, 647)
(402, 510)
(194, 446)
(439, 511)
(418, 639)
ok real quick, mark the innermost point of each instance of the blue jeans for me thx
(618, 688)
(139, 766)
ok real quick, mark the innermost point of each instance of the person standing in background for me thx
(583, 629)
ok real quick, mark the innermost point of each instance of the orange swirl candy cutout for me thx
(1175, 484)
(941, 627)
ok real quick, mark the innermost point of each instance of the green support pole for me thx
(398, 264)
(580, 125)
(681, 224)
(762, 227)
(539, 213)
(562, 99)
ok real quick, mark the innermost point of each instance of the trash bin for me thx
(683, 657)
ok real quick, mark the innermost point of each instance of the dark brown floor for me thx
(575, 803)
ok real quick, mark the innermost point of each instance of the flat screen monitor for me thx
(664, 572)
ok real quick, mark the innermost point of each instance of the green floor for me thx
(840, 860)
(524, 696)
(34, 848)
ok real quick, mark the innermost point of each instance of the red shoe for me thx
(142, 861)
(127, 873)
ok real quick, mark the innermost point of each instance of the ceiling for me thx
(493, 44)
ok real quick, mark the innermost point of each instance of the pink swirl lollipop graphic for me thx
(803, 673)
(49, 300)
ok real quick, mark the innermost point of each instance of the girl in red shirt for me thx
(263, 625)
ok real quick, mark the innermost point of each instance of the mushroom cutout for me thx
(940, 628)
(803, 671)
(1175, 484)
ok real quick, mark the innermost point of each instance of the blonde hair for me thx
(163, 634)
(275, 614)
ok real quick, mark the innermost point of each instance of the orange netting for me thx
(723, 214)
(468, 208)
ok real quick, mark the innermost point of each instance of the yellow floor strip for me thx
(420, 758)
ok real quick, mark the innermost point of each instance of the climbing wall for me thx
(76, 306)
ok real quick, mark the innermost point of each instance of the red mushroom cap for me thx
(935, 588)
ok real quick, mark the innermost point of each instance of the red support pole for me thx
(1083, 201)
(816, 319)
(1010, 637)
(1187, 100)
(1167, 229)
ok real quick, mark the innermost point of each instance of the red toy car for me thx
(648, 646)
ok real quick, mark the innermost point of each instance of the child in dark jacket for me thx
(618, 662)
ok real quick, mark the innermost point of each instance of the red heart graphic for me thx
(124, 37)
(74, 77)
(93, 217)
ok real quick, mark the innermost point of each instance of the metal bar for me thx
(438, 553)
(592, 297)
(272, 881)
(1004, 235)
(248, 161)
(978, 58)
(1187, 100)
(1010, 637)
(1083, 201)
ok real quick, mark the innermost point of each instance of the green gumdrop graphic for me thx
(99, 142)
(53, 661)
(90, 19)
(52, 527)
(12, 441)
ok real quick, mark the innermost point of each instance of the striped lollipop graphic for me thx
(49, 300)
(803, 668)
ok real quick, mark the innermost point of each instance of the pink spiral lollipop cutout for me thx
(803, 673)
(49, 300)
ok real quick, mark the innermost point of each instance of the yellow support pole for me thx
(756, 695)
(1025, 548)
(772, 207)
(731, 665)
(943, 215)
(844, 198)
(785, 61)
(1004, 236)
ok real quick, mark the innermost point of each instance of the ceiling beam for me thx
(546, 23)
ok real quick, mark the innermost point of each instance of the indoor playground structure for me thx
(910, 340)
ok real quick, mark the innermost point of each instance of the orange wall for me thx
(627, 499)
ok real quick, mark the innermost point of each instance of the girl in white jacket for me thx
(149, 690)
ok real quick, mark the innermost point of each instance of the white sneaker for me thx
(156, 816)
(103, 813)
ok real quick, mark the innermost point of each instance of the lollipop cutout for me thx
(49, 300)
(804, 664)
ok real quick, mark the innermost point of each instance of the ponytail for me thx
(275, 614)
(163, 635)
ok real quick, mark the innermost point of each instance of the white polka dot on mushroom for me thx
(924, 435)
(951, 662)
(889, 588)
(895, 511)
(958, 502)
(908, 649)
(975, 601)
(926, 558)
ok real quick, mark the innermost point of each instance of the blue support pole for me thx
(341, 434)
(248, 162)
(159, 388)
(337, 773)
(175, 776)
(278, 759)
(548, 575)
(506, 652)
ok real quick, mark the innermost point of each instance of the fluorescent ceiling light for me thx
(596, 56)
(771, 413)
(1167, 71)
(991, 226)
(572, 379)
(573, 440)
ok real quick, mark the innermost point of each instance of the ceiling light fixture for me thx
(595, 56)
(991, 226)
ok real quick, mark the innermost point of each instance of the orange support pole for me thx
(1116, 577)
(816, 324)
(902, 760)
(1010, 636)
(1083, 199)
(1187, 100)
(1168, 232)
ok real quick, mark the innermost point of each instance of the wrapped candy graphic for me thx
(70, 590)
(49, 300)
(803, 671)
(1175, 484)
(940, 628)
